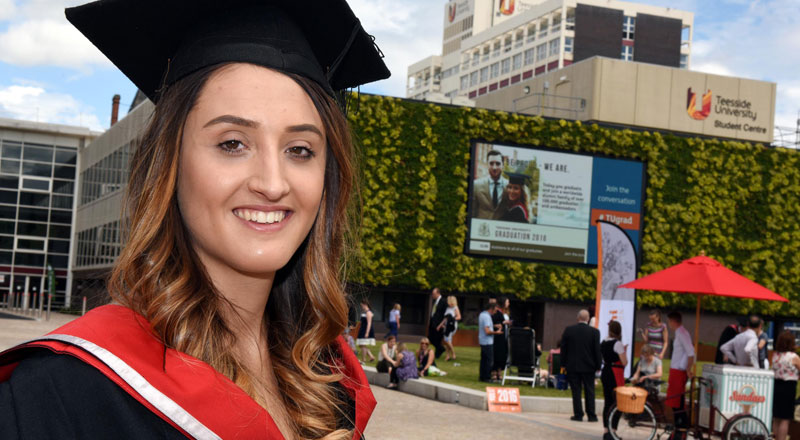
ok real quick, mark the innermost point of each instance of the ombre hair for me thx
(160, 276)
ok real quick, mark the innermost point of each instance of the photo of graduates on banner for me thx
(505, 189)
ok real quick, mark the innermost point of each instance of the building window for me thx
(541, 51)
(505, 65)
(628, 27)
(530, 57)
(495, 70)
(507, 44)
(517, 61)
(464, 82)
(568, 42)
(473, 78)
(531, 33)
(484, 74)
(108, 175)
(627, 53)
(543, 28)
(684, 61)
(554, 46)
(570, 21)
(476, 58)
(519, 38)
(556, 22)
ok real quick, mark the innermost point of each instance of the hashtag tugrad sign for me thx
(503, 399)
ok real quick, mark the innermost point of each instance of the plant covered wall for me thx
(738, 202)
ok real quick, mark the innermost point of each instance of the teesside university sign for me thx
(721, 107)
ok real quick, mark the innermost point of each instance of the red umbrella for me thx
(702, 275)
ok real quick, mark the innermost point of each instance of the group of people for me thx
(401, 363)
(493, 324)
(498, 198)
(583, 354)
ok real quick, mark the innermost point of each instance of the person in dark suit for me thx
(580, 356)
(435, 334)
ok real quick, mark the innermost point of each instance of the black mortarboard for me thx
(518, 178)
(158, 42)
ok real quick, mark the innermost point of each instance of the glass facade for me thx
(98, 246)
(108, 175)
(37, 186)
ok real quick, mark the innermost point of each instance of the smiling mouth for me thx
(260, 216)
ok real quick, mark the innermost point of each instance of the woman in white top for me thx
(786, 365)
(449, 325)
(386, 356)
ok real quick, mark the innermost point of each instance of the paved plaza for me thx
(401, 416)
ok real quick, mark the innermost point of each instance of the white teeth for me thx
(260, 216)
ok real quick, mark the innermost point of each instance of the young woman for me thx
(656, 334)
(514, 204)
(406, 366)
(449, 326)
(612, 375)
(394, 321)
(501, 321)
(228, 304)
(786, 365)
(426, 356)
(366, 333)
(649, 368)
(387, 355)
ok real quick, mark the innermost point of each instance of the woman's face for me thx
(649, 357)
(507, 304)
(251, 171)
(514, 191)
(653, 318)
(364, 307)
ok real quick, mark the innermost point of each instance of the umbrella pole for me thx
(696, 333)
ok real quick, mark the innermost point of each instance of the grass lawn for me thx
(466, 374)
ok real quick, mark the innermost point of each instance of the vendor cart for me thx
(735, 390)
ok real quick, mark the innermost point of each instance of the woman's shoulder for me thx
(77, 398)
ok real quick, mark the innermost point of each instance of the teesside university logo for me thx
(507, 7)
(691, 105)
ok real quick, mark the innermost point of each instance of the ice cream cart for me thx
(734, 390)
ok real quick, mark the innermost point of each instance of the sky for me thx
(50, 73)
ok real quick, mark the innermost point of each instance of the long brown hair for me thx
(159, 275)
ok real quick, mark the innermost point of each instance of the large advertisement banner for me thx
(539, 204)
(616, 267)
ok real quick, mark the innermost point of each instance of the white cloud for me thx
(713, 68)
(7, 9)
(34, 103)
(406, 31)
(50, 43)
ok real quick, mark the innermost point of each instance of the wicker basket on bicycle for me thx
(631, 399)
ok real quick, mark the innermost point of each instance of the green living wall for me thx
(738, 202)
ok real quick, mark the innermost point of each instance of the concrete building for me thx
(104, 168)
(488, 45)
(38, 197)
(646, 96)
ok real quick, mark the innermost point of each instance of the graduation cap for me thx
(518, 178)
(157, 42)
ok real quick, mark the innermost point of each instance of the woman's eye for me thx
(232, 146)
(300, 152)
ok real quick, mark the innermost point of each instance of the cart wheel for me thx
(745, 427)
(632, 426)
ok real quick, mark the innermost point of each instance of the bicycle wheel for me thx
(624, 426)
(745, 427)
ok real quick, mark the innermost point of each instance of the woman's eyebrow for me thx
(231, 119)
(305, 127)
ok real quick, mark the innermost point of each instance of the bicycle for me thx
(654, 421)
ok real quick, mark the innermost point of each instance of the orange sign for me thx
(503, 399)
(691, 105)
(625, 220)
(451, 12)
(506, 7)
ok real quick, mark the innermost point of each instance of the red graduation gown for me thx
(185, 392)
